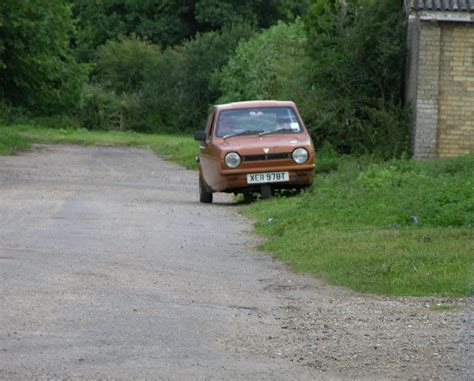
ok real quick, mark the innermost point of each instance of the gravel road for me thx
(110, 268)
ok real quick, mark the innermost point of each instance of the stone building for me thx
(440, 77)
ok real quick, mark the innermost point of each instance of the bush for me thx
(121, 65)
(180, 86)
(358, 56)
(343, 70)
(103, 109)
(274, 64)
(162, 92)
(269, 65)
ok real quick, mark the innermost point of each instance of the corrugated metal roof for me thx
(442, 5)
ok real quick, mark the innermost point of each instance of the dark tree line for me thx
(156, 65)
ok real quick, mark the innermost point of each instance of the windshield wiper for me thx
(242, 133)
(275, 131)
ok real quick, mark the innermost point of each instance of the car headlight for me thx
(300, 155)
(232, 160)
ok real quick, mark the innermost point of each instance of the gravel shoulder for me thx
(110, 268)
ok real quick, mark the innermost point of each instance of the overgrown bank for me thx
(396, 228)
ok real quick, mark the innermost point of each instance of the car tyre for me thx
(266, 191)
(204, 196)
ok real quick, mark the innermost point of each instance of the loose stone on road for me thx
(110, 268)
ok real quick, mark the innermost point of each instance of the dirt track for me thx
(110, 268)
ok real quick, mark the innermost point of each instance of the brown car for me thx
(256, 146)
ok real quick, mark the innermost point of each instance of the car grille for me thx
(272, 156)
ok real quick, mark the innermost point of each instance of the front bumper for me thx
(236, 180)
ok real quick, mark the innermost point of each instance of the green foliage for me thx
(327, 159)
(113, 100)
(121, 64)
(170, 22)
(342, 68)
(143, 88)
(11, 141)
(179, 86)
(358, 56)
(218, 14)
(274, 64)
(402, 227)
(269, 65)
(161, 22)
(5, 112)
(99, 108)
(103, 109)
(37, 70)
(162, 93)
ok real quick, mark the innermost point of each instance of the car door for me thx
(208, 156)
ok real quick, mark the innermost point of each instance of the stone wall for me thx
(456, 91)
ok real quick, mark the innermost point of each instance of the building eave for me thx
(462, 17)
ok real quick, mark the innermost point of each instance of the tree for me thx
(163, 22)
(357, 51)
(121, 65)
(270, 65)
(171, 22)
(180, 86)
(37, 69)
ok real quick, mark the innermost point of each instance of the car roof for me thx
(253, 104)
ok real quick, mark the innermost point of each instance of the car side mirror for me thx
(200, 136)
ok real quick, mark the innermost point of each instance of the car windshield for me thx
(262, 120)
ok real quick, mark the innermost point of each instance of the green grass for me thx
(11, 142)
(178, 148)
(398, 228)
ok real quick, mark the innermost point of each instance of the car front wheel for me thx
(204, 196)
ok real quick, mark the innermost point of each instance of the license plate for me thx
(268, 177)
